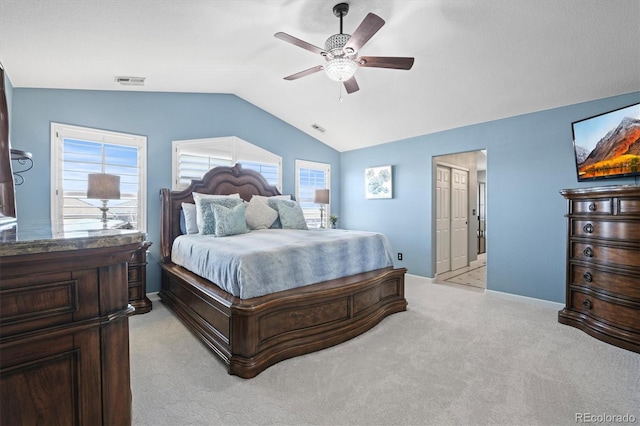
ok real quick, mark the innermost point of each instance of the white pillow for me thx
(276, 224)
(259, 215)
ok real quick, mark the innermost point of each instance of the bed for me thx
(251, 334)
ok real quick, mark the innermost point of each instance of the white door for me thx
(459, 218)
(443, 219)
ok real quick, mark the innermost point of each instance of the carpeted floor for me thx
(457, 356)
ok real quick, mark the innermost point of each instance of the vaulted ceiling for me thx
(475, 60)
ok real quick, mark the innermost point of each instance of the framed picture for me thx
(378, 182)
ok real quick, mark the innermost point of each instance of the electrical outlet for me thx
(399, 256)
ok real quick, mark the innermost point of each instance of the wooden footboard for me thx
(251, 335)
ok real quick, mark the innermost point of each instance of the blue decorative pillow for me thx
(229, 221)
(206, 221)
(289, 213)
(183, 225)
(188, 223)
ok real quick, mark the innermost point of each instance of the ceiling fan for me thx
(341, 51)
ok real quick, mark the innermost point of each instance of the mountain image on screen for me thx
(617, 153)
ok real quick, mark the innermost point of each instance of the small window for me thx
(309, 177)
(78, 152)
(193, 158)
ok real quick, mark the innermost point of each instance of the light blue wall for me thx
(162, 118)
(529, 159)
(8, 91)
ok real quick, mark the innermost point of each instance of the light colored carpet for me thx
(455, 357)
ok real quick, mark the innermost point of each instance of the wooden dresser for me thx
(64, 328)
(138, 281)
(603, 264)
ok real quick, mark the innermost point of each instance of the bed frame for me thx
(252, 334)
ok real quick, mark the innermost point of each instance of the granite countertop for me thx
(41, 237)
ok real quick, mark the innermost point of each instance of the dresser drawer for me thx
(606, 255)
(629, 206)
(35, 302)
(616, 230)
(626, 285)
(594, 207)
(626, 316)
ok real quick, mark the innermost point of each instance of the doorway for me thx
(459, 214)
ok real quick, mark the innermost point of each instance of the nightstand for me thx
(138, 281)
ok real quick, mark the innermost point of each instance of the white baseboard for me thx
(419, 278)
(530, 300)
(508, 296)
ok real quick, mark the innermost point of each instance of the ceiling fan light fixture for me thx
(341, 51)
(340, 69)
(336, 41)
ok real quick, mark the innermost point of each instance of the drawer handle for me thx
(588, 228)
(592, 207)
(588, 252)
(586, 303)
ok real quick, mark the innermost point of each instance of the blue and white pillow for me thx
(289, 213)
(205, 217)
(229, 221)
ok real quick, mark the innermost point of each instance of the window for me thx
(77, 152)
(193, 158)
(309, 177)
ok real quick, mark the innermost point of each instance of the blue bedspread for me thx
(266, 261)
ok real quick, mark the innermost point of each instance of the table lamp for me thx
(321, 197)
(103, 187)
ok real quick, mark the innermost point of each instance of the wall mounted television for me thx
(608, 145)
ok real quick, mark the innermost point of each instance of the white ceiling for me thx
(475, 60)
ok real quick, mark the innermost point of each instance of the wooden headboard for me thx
(219, 180)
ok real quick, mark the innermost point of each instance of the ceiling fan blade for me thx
(351, 85)
(304, 73)
(385, 62)
(369, 26)
(300, 43)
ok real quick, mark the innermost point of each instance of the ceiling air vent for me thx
(131, 81)
(318, 128)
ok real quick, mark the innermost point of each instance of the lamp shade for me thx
(321, 196)
(103, 186)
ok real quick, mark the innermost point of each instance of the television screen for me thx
(608, 145)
